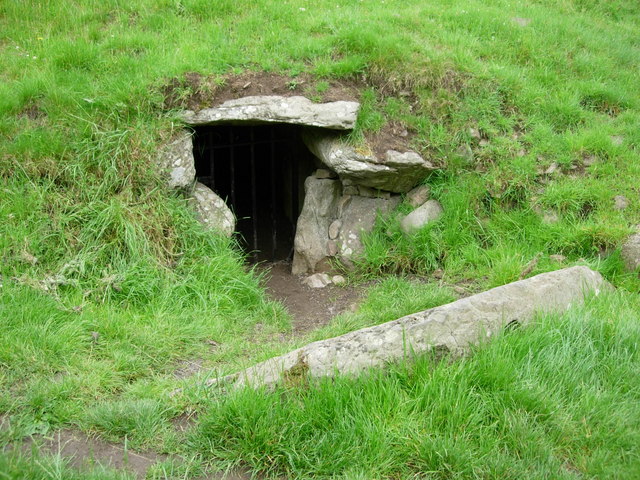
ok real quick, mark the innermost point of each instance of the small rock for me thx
(522, 22)
(475, 133)
(28, 258)
(350, 190)
(322, 173)
(631, 252)
(429, 212)
(550, 217)
(334, 229)
(317, 280)
(483, 143)
(418, 196)
(438, 273)
(617, 140)
(558, 258)
(589, 160)
(459, 290)
(338, 279)
(552, 169)
(372, 192)
(332, 248)
(465, 153)
(620, 202)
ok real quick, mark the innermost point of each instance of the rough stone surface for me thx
(359, 215)
(334, 229)
(212, 211)
(396, 172)
(340, 115)
(449, 328)
(176, 160)
(418, 196)
(620, 202)
(430, 211)
(319, 210)
(631, 252)
(317, 280)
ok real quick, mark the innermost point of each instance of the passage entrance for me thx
(260, 171)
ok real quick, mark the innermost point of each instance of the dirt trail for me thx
(310, 308)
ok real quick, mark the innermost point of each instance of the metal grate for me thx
(262, 162)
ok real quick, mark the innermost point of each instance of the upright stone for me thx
(212, 211)
(320, 209)
(177, 163)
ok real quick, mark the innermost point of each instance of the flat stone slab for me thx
(297, 110)
(449, 328)
(396, 172)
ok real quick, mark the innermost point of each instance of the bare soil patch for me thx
(310, 308)
(83, 452)
(196, 91)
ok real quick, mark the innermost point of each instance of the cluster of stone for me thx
(342, 199)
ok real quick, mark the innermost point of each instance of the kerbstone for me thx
(452, 328)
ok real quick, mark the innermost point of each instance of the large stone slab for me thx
(297, 110)
(449, 328)
(396, 172)
(177, 163)
(212, 211)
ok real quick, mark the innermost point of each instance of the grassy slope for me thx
(80, 120)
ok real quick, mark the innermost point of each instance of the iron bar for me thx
(232, 169)
(212, 162)
(254, 205)
(274, 223)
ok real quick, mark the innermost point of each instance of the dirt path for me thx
(84, 452)
(310, 308)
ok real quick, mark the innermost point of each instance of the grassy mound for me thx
(108, 283)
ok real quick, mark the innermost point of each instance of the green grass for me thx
(109, 284)
(557, 400)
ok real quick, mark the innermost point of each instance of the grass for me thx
(109, 284)
(559, 400)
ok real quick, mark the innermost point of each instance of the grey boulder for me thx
(426, 213)
(397, 172)
(212, 211)
(631, 252)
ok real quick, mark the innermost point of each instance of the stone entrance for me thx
(259, 170)
(260, 156)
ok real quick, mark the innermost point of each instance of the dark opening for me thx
(260, 172)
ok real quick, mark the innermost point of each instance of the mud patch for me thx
(83, 451)
(310, 308)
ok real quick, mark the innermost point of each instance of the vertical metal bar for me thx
(212, 168)
(232, 169)
(274, 230)
(293, 158)
(254, 205)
